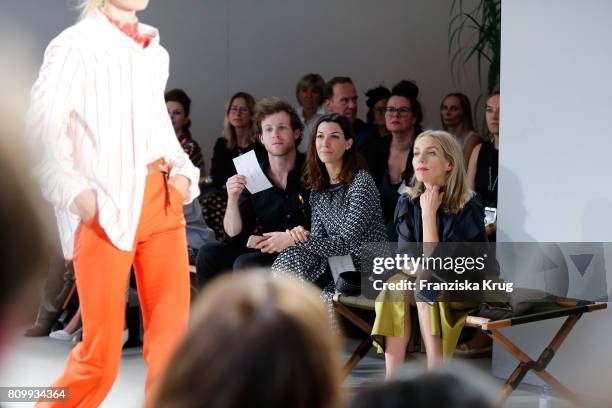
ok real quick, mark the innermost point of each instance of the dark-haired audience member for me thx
(254, 342)
(341, 97)
(377, 102)
(238, 137)
(456, 117)
(438, 207)
(309, 94)
(438, 390)
(179, 106)
(390, 160)
(272, 211)
(484, 163)
(345, 208)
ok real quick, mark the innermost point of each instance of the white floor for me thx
(37, 361)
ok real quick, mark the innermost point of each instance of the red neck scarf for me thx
(131, 30)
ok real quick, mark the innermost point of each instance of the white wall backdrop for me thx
(265, 46)
(555, 166)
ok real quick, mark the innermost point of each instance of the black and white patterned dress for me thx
(344, 217)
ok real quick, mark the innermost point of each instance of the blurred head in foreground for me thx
(440, 390)
(25, 230)
(254, 342)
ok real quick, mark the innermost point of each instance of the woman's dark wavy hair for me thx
(374, 95)
(409, 90)
(315, 176)
(180, 96)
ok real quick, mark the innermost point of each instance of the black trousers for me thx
(215, 258)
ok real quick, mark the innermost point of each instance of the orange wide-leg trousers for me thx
(159, 257)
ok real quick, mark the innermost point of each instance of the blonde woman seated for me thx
(438, 207)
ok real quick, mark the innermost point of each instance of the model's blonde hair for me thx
(457, 192)
(88, 7)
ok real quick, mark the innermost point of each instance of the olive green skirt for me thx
(447, 319)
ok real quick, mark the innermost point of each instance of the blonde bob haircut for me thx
(457, 192)
(88, 7)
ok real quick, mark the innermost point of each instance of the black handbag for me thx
(349, 283)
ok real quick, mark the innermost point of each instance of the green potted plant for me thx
(475, 33)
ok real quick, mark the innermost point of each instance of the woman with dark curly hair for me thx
(377, 102)
(391, 160)
(179, 106)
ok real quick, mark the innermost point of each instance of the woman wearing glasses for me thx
(238, 138)
(392, 169)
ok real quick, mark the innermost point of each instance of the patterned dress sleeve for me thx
(361, 204)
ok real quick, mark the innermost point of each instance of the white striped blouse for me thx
(97, 118)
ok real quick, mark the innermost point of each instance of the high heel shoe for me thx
(65, 336)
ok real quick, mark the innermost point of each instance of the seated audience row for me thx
(345, 207)
(345, 210)
(315, 97)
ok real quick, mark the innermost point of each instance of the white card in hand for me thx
(339, 264)
(247, 166)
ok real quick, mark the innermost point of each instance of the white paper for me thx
(339, 264)
(247, 166)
